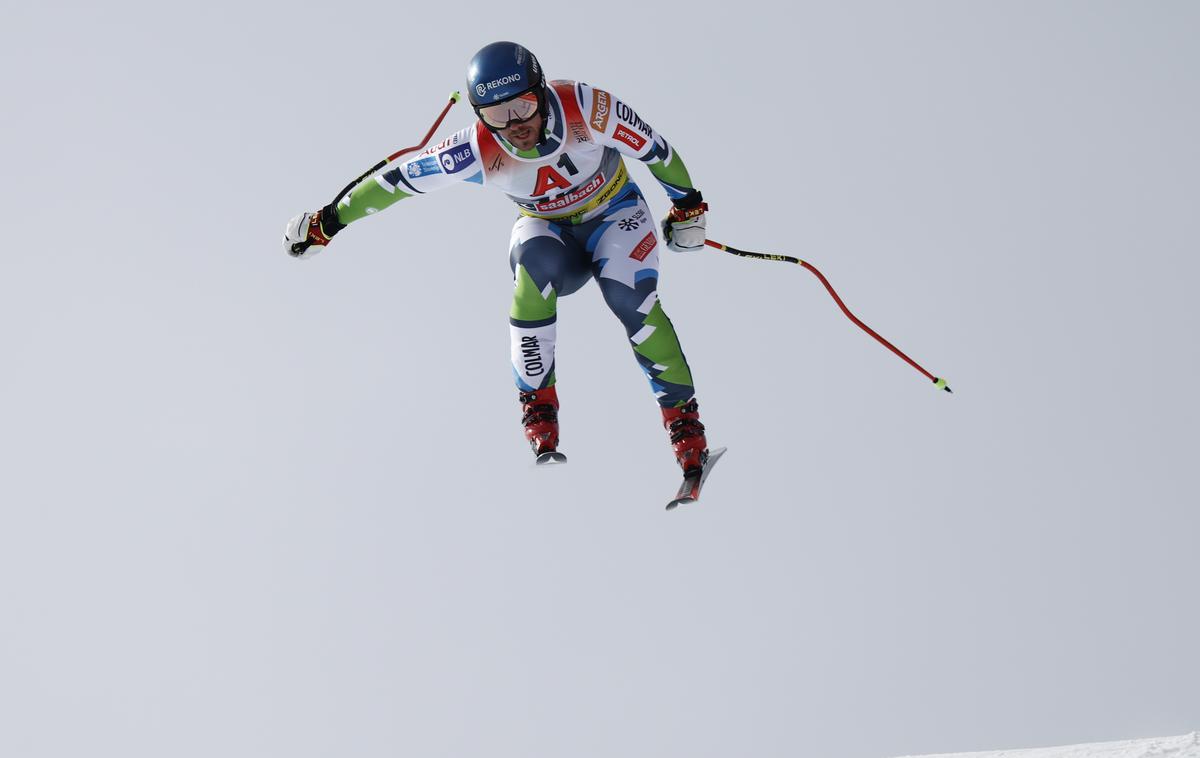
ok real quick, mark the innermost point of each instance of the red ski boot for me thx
(540, 409)
(691, 450)
(687, 436)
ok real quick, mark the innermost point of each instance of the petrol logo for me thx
(629, 137)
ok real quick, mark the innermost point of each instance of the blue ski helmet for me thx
(501, 71)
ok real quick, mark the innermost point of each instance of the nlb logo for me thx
(454, 161)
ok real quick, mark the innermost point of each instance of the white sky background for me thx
(253, 506)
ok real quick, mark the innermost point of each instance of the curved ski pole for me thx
(454, 98)
(939, 383)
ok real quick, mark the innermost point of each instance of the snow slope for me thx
(1184, 746)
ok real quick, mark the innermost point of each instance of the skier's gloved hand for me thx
(309, 233)
(683, 228)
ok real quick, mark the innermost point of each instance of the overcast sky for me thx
(253, 506)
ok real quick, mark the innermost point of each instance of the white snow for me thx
(1183, 746)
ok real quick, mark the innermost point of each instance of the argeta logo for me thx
(599, 117)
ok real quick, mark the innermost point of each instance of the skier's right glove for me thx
(683, 228)
(309, 233)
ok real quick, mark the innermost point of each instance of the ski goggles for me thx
(518, 109)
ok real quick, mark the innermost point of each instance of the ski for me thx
(689, 491)
(551, 458)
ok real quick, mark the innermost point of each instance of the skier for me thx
(556, 150)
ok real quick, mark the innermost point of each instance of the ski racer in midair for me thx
(556, 149)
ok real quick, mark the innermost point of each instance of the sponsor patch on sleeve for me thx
(423, 167)
(601, 107)
(457, 158)
(463, 135)
(629, 116)
(629, 137)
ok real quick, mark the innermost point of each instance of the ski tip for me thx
(941, 384)
(551, 458)
(676, 503)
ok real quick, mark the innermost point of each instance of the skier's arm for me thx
(452, 160)
(671, 173)
(616, 125)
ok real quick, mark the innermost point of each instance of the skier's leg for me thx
(625, 260)
(544, 264)
(624, 248)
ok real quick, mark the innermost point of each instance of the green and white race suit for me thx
(581, 218)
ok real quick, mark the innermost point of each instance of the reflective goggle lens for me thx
(500, 115)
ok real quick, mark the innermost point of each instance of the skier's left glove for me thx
(309, 233)
(683, 228)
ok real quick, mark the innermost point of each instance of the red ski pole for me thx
(939, 383)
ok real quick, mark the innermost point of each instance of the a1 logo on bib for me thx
(548, 179)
